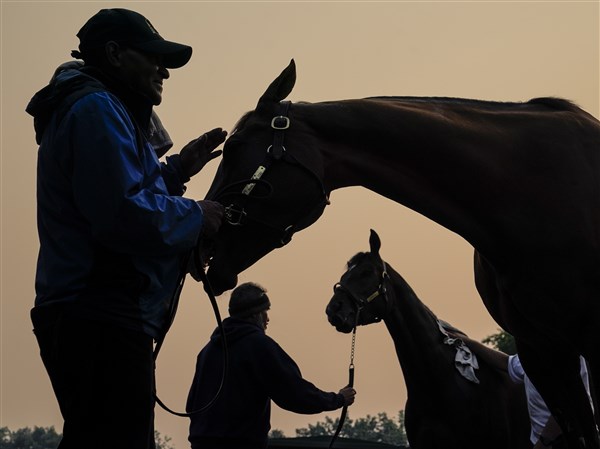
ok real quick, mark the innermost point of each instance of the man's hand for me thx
(212, 217)
(349, 394)
(200, 151)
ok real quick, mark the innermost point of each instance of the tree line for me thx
(48, 438)
(379, 428)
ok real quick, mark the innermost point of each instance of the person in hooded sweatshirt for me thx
(258, 371)
(115, 231)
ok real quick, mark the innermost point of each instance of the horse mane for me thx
(356, 259)
(241, 122)
(555, 103)
(549, 102)
(560, 104)
(359, 257)
(450, 327)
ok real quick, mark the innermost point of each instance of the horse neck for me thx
(417, 339)
(425, 156)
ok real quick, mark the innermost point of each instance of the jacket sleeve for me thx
(283, 380)
(119, 188)
(515, 369)
(173, 175)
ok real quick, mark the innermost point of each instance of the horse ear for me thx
(281, 87)
(374, 242)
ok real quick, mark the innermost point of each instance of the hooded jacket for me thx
(258, 370)
(112, 224)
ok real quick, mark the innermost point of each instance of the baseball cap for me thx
(132, 29)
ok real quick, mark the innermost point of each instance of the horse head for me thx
(268, 182)
(360, 297)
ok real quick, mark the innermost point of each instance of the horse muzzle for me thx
(342, 322)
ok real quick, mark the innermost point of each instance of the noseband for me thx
(236, 214)
(360, 302)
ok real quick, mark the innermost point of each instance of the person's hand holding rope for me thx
(349, 394)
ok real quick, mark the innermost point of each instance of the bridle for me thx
(235, 212)
(360, 304)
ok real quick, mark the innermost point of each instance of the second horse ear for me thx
(374, 242)
(281, 87)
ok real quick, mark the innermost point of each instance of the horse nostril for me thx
(329, 309)
(333, 318)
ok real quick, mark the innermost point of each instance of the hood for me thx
(72, 81)
(235, 329)
(63, 85)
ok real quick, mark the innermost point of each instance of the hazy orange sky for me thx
(506, 51)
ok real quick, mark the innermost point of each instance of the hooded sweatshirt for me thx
(112, 225)
(258, 370)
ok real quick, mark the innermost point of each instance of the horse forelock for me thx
(356, 259)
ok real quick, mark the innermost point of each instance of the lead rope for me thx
(350, 384)
(215, 307)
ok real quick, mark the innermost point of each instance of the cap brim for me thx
(174, 55)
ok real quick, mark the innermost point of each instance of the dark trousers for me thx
(103, 378)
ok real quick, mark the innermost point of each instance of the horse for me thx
(482, 408)
(518, 181)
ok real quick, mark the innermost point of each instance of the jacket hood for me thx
(63, 85)
(235, 329)
(72, 81)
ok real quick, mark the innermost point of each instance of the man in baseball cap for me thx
(131, 29)
(114, 227)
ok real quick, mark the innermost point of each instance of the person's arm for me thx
(549, 435)
(497, 359)
(173, 174)
(127, 208)
(290, 391)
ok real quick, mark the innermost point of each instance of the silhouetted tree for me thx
(27, 438)
(48, 438)
(162, 442)
(378, 428)
(502, 341)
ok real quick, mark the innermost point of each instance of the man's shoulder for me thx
(96, 100)
(256, 337)
(74, 85)
(103, 107)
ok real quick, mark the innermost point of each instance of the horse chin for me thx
(220, 282)
(344, 329)
(341, 324)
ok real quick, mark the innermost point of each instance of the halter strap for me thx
(279, 123)
(360, 303)
(236, 215)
